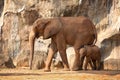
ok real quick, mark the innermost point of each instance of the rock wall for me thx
(17, 17)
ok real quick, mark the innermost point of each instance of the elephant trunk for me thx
(82, 52)
(31, 42)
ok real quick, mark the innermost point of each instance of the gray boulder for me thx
(22, 60)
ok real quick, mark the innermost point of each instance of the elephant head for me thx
(42, 27)
(83, 52)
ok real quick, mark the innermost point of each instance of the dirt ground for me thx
(26, 74)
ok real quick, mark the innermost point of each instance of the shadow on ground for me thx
(111, 73)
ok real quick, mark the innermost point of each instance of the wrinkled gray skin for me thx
(92, 55)
(63, 31)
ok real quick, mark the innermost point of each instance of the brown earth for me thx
(26, 74)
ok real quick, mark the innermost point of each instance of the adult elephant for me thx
(75, 31)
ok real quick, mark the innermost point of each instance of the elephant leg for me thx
(51, 52)
(94, 63)
(98, 64)
(62, 50)
(78, 61)
(86, 62)
(91, 65)
(82, 61)
(64, 59)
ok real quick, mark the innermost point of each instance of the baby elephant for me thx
(93, 56)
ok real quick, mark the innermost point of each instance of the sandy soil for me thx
(26, 74)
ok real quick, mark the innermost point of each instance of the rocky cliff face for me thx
(17, 17)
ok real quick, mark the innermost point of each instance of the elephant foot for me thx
(76, 69)
(86, 69)
(98, 69)
(30, 68)
(93, 68)
(66, 69)
(47, 70)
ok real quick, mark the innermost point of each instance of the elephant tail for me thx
(94, 34)
(95, 38)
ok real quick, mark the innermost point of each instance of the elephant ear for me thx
(40, 24)
(52, 28)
